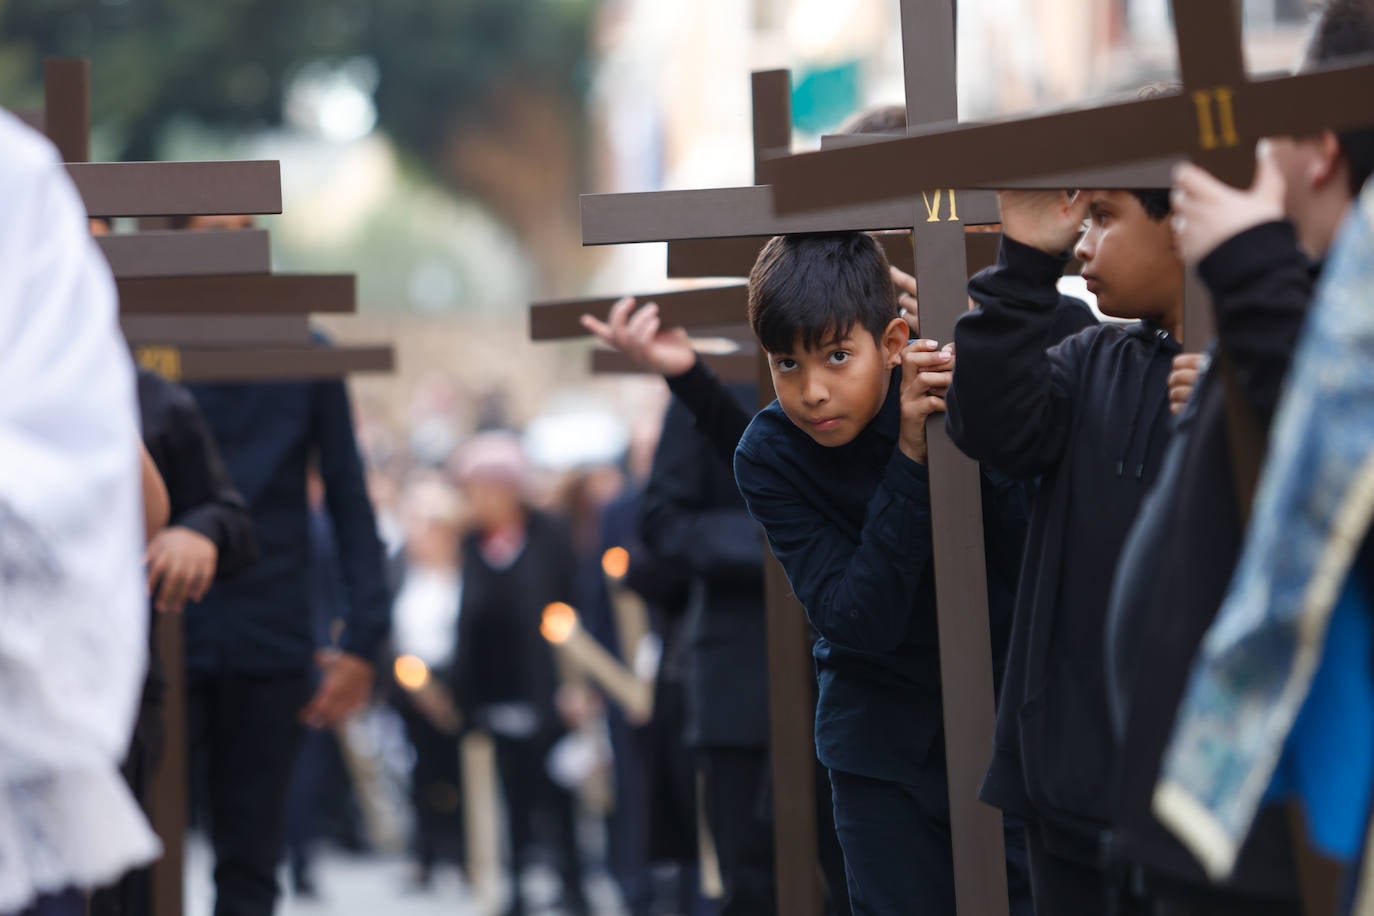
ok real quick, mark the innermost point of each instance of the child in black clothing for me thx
(835, 472)
(639, 333)
(1259, 252)
(1087, 418)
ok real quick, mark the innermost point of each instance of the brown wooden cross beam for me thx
(196, 307)
(1215, 121)
(729, 367)
(207, 288)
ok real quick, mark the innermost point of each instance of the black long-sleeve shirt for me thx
(851, 527)
(260, 622)
(720, 418)
(694, 519)
(201, 493)
(1088, 417)
(1184, 548)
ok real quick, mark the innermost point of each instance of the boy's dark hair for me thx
(885, 119)
(1345, 28)
(1156, 200)
(809, 288)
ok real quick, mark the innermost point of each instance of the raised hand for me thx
(1048, 220)
(1208, 212)
(640, 335)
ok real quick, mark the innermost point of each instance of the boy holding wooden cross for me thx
(1089, 420)
(1259, 251)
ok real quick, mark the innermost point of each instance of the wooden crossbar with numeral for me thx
(195, 307)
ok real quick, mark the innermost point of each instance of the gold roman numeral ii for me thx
(1221, 132)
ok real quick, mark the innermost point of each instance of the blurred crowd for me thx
(483, 528)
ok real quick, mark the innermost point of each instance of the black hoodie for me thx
(1186, 545)
(1090, 419)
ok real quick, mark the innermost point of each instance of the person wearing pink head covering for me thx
(516, 562)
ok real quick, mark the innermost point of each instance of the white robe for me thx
(73, 611)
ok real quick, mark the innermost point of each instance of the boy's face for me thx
(1129, 260)
(832, 392)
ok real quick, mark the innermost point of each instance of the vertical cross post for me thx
(171, 785)
(928, 50)
(1211, 60)
(791, 683)
(67, 107)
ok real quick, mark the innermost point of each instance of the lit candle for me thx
(562, 629)
(631, 617)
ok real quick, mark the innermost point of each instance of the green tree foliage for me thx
(225, 63)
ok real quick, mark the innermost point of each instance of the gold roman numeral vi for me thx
(933, 206)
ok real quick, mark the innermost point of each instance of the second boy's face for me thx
(1129, 260)
(832, 392)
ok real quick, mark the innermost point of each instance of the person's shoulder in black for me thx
(1261, 272)
(202, 495)
(1087, 418)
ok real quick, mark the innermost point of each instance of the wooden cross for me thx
(936, 221)
(791, 690)
(1215, 121)
(200, 307)
(196, 307)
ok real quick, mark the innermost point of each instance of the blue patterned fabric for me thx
(1314, 504)
(1328, 761)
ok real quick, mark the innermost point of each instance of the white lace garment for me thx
(73, 615)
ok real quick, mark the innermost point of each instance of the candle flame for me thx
(616, 562)
(411, 673)
(560, 620)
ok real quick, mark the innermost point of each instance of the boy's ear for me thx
(895, 338)
(1326, 164)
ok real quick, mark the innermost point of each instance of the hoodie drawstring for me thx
(1159, 335)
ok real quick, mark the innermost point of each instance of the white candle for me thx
(563, 630)
(631, 617)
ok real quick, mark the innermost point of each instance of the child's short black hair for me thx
(1345, 28)
(809, 288)
(884, 119)
(1155, 201)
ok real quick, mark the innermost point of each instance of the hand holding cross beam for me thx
(640, 335)
(1207, 212)
(1047, 220)
(927, 372)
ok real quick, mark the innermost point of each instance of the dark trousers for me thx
(1170, 898)
(67, 903)
(531, 795)
(897, 849)
(245, 733)
(1065, 885)
(828, 850)
(627, 827)
(1221, 906)
(436, 792)
(736, 802)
